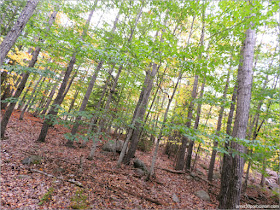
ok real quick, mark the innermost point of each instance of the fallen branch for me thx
(79, 184)
(138, 195)
(173, 171)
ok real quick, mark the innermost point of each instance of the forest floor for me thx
(54, 181)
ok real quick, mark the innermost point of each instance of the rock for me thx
(23, 176)
(274, 187)
(175, 198)
(139, 164)
(188, 177)
(270, 181)
(203, 195)
(139, 172)
(271, 173)
(113, 146)
(33, 159)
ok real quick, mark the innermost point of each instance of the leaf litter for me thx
(103, 186)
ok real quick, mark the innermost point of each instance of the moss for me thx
(79, 200)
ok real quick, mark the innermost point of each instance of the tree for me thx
(231, 199)
(23, 81)
(14, 33)
(60, 96)
(219, 126)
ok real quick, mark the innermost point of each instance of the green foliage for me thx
(47, 196)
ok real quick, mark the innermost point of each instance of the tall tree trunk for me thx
(14, 33)
(22, 100)
(199, 146)
(59, 98)
(219, 126)
(263, 173)
(46, 104)
(151, 171)
(190, 148)
(115, 82)
(70, 83)
(7, 94)
(25, 76)
(226, 158)
(247, 175)
(136, 113)
(89, 90)
(181, 153)
(30, 99)
(85, 101)
(245, 75)
(72, 104)
(182, 150)
(152, 104)
(98, 107)
(35, 96)
(142, 109)
(17, 82)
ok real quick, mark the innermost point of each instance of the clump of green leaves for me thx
(79, 200)
(47, 196)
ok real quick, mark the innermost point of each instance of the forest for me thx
(139, 104)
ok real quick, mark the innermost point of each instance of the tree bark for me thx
(245, 76)
(226, 158)
(14, 33)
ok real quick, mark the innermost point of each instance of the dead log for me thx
(79, 184)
